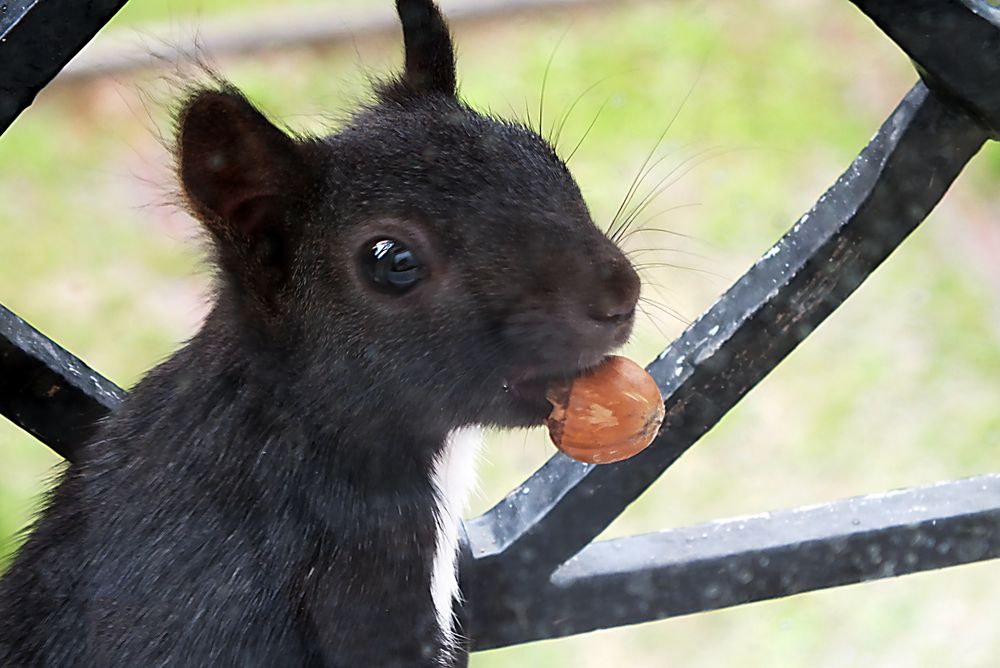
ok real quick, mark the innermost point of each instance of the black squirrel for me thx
(283, 491)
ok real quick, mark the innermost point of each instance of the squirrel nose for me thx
(615, 313)
(620, 296)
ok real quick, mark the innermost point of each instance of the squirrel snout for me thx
(619, 297)
(614, 313)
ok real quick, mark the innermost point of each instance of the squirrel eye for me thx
(391, 266)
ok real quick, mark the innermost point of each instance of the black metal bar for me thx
(37, 38)
(47, 391)
(955, 45)
(885, 193)
(736, 561)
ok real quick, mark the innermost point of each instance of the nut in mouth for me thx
(530, 388)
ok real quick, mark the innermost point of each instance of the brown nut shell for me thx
(607, 415)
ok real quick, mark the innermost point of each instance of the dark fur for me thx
(264, 496)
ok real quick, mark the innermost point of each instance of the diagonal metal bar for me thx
(37, 38)
(885, 193)
(736, 561)
(47, 391)
(955, 45)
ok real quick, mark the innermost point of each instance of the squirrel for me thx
(286, 488)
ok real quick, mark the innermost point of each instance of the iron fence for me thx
(530, 568)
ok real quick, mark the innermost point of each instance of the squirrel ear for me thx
(236, 168)
(430, 56)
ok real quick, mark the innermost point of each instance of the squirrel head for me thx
(438, 259)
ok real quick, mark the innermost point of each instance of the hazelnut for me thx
(606, 415)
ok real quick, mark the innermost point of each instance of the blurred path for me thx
(123, 51)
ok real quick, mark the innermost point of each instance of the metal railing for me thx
(530, 569)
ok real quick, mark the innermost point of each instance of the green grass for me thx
(899, 388)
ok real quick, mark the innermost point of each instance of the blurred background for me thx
(772, 99)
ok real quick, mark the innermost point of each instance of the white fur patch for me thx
(454, 479)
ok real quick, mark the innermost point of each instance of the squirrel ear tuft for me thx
(430, 55)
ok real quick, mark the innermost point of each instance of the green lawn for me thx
(899, 388)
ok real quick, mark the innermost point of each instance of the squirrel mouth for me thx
(530, 389)
(529, 396)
